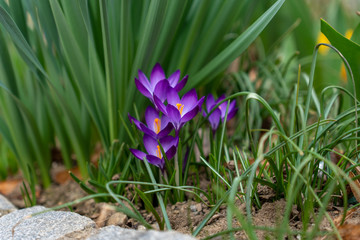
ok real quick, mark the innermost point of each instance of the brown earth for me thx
(186, 216)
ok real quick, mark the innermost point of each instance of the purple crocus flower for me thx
(156, 126)
(180, 111)
(215, 116)
(220, 112)
(154, 154)
(158, 84)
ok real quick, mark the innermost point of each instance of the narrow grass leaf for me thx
(223, 59)
(20, 42)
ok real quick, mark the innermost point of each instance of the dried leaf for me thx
(349, 213)
(355, 189)
(64, 176)
(8, 186)
(349, 231)
(357, 169)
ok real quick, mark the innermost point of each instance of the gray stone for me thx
(49, 225)
(115, 232)
(5, 206)
(79, 235)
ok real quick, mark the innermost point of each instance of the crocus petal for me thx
(157, 74)
(150, 144)
(144, 80)
(159, 104)
(161, 90)
(200, 102)
(138, 154)
(189, 100)
(172, 97)
(173, 114)
(148, 131)
(223, 108)
(144, 91)
(204, 113)
(231, 114)
(156, 161)
(174, 78)
(164, 121)
(214, 119)
(210, 102)
(222, 97)
(171, 152)
(232, 110)
(190, 115)
(165, 131)
(232, 105)
(135, 121)
(181, 84)
(169, 141)
(150, 115)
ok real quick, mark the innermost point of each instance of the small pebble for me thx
(141, 228)
(105, 212)
(155, 226)
(117, 219)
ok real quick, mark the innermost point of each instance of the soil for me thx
(185, 216)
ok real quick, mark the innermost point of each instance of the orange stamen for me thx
(158, 152)
(157, 125)
(180, 107)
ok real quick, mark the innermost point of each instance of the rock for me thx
(196, 207)
(117, 219)
(193, 208)
(106, 210)
(141, 228)
(49, 225)
(155, 226)
(5, 206)
(79, 234)
(114, 232)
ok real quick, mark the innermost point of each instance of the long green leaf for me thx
(348, 48)
(20, 42)
(223, 59)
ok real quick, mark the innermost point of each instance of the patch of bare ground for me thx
(186, 216)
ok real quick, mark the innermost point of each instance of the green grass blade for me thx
(20, 42)
(224, 58)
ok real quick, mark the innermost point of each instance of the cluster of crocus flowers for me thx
(169, 113)
(164, 121)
